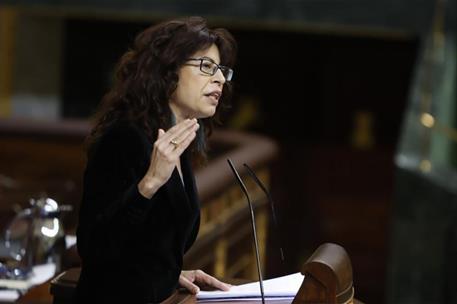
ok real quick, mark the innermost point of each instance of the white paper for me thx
(282, 287)
(40, 274)
(256, 299)
(70, 240)
(9, 295)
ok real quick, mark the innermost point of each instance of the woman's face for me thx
(197, 94)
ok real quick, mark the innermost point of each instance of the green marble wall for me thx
(409, 15)
(423, 261)
(423, 265)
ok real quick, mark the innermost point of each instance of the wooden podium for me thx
(328, 277)
(328, 280)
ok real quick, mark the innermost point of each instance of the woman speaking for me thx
(140, 212)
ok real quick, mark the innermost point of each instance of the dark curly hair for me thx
(147, 75)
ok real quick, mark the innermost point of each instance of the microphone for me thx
(273, 212)
(256, 245)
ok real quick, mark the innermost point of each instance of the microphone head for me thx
(237, 176)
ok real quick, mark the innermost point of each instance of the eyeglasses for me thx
(208, 66)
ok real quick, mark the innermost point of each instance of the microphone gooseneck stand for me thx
(254, 232)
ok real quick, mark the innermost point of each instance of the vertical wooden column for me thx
(220, 266)
(262, 229)
(7, 33)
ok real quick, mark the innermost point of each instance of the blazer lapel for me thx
(183, 198)
(184, 201)
(177, 195)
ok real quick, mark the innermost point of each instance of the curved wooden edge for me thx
(335, 260)
(328, 277)
(253, 150)
(180, 297)
(36, 127)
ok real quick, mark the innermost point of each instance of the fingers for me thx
(179, 134)
(186, 283)
(185, 138)
(185, 143)
(182, 134)
(182, 139)
(177, 130)
(202, 277)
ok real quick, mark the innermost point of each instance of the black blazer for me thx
(132, 247)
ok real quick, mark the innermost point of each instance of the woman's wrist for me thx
(148, 186)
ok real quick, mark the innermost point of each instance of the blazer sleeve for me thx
(112, 207)
(193, 234)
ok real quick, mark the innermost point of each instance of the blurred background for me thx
(358, 96)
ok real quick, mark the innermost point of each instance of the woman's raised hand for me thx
(165, 155)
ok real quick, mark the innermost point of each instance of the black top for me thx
(132, 247)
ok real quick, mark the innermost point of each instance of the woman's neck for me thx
(177, 115)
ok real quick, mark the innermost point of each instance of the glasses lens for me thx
(208, 67)
(227, 72)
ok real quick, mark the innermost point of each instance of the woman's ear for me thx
(160, 132)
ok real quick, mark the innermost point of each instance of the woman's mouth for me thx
(214, 96)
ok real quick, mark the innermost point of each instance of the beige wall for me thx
(37, 67)
(7, 29)
(30, 65)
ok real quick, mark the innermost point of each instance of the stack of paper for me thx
(281, 288)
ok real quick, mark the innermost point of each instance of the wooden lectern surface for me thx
(185, 298)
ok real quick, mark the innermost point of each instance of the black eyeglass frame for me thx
(226, 71)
